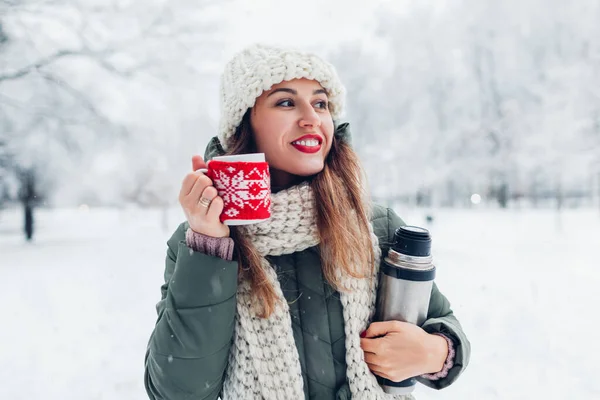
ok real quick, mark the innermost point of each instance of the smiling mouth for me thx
(309, 142)
(307, 146)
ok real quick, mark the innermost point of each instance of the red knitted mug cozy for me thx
(245, 188)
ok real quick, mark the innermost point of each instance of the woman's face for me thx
(293, 126)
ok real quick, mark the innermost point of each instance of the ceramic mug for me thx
(244, 183)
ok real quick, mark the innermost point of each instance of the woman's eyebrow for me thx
(294, 92)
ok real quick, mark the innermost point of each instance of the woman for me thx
(283, 309)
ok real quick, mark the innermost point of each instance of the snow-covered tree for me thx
(94, 97)
(498, 98)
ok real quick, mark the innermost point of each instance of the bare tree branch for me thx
(41, 63)
(83, 100)
(93, 56)
(117, 129)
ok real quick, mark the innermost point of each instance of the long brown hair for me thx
(342, 211)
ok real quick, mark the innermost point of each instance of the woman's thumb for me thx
(197, 163)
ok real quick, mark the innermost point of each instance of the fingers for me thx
(371, 346)
(197, 163)
(378, 365)
(216, 208)
(377, 329)
(373, 360)
(201, 203)
(201, 183)
(373, 339)
(197, 180)
(205, 201)
(187, 184)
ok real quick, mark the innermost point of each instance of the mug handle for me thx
(205, 171)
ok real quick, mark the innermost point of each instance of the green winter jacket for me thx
(188, 349)
(187, 352)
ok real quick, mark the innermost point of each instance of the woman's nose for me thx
(309, 117)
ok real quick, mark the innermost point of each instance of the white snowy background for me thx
(78, 304)
(489, 112)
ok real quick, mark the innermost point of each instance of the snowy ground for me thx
(78, 304)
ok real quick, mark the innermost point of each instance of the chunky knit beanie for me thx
(259, 67)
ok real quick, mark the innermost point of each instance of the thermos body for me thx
(407, 292)
(405, 284)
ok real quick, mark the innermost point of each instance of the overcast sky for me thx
(310, 23)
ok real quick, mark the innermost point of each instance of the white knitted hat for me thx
(259, 67)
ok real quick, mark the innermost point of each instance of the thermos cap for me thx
(412, 241)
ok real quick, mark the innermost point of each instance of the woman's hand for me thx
(398, 350)
(200, 202)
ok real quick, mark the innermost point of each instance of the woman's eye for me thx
(322, 105)
(285, 103)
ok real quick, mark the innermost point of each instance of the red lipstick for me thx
(309, 143)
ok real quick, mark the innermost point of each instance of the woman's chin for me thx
(307, 167)
(306, 172)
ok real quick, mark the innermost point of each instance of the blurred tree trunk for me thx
(28, 221)
(28, 198)
(559, 195)
(502, 195)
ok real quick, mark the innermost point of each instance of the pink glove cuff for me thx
(448, 364)
(218, 247)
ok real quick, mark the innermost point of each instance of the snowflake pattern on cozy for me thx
(245, 189)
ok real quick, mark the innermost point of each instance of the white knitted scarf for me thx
(263, 361)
